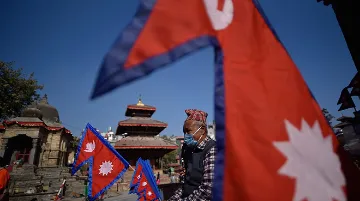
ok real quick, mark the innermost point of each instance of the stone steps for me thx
(52, 178)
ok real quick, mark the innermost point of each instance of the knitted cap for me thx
(196, 115)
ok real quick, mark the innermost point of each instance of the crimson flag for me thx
(280, 144)
(345, 100)
(136, 177)
(143, 182)
(106, 166)
(355, 91)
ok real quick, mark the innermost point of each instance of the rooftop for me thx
(42, 110)
(342, 125)
(138, 142)
(38, 114)
(142, 121)
(179, 137)
(34, 122)
(326, 2)
(344, 118)
(140, 109)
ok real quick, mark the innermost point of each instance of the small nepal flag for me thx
(106, 166)
(136, 177)
(270, 132)
(146, 189)
(143, 182)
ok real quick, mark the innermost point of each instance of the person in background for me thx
(4, 181)
(158, 178)
(199, 152)
(172, 170)
(181, 176)
(86, 184)
(172, 179)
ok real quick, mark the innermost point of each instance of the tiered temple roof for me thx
(344, 121)
(142, 121)
(140, 129)
(139, 142)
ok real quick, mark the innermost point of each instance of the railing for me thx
(167, 190)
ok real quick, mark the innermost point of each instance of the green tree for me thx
(169, 158)
(166, 138)
(17, 90)
(74, 142)
(328, 116)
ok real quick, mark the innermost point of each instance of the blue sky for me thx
(64, 42)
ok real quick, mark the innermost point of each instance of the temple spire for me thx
(44, 99)
(140, 103)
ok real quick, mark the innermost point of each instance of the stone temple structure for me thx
(139, 132)
(37, 137)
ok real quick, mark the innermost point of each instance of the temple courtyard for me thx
(39, 150)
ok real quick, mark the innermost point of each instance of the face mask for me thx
(189, 139)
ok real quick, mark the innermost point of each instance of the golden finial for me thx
(44, 99)
(140, 103)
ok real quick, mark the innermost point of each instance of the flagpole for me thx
(131, 168)
(354, 104)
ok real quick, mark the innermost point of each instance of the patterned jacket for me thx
(203, 193)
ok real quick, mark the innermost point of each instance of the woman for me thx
(4, 182)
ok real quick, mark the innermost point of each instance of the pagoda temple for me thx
(140, 133)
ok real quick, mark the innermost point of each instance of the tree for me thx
(17, 91)
(169, 158)
(164, 137)
(74, 142)
(328, 116)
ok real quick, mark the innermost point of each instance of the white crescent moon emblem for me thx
(219, 19)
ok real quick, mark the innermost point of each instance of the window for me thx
(23, 155)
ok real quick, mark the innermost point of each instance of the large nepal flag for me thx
(106, 166)
(270, 133)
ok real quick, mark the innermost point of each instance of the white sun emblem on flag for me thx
(149, 193)
(106, 168)
(144, 183)
(312, 162)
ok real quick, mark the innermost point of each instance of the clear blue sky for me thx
(64, 42)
